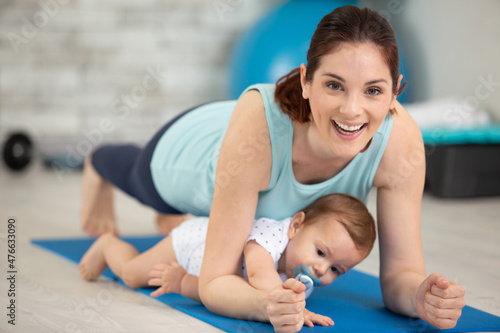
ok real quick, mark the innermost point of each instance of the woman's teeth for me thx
(348, 130)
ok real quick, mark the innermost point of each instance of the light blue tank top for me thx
(185, 159)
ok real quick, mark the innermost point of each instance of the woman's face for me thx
(350, 95)
(324, 246)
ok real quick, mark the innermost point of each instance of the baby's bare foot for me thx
(93, 263)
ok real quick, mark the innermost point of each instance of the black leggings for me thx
(127, 166)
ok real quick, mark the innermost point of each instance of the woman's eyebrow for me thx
(376, 81)
(335, 76)
(341, 79)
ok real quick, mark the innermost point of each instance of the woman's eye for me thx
(373, 91)
(334, 86)
(320, 253)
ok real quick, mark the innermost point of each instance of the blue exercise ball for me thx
(278, 43)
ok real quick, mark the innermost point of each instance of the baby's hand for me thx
(311, 318)
(168, 277)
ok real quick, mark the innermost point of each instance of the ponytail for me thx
(288, 96)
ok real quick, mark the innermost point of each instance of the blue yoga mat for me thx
(353, 301)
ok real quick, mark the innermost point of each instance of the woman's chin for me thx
(349, 149)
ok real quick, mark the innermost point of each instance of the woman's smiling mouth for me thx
(347, 131)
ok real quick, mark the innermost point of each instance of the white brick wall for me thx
(66, 67)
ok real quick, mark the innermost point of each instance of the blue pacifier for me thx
(303, 274)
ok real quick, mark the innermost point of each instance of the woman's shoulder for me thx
(404, 155)
(247, 142)
(249, 114)
(251, 99)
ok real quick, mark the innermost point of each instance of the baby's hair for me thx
(348, 211)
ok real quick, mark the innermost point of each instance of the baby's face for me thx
(324, 246)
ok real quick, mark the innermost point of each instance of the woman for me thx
(331, 126)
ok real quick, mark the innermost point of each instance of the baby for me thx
(328, 237)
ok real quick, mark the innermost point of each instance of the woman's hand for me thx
(439, 301)
(311, 318)
(285, 306)
(168, 277)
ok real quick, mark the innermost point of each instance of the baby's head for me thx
(330, 236)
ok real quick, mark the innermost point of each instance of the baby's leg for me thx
(135, 273)
(124, 260)
(107, 250)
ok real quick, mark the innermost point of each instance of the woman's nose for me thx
(351, 106)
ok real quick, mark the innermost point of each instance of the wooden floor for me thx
(461, 240)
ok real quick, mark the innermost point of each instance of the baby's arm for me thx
(174, 279)
(260, 267)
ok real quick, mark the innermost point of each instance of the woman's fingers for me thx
(444, 311)
(297, 286)
(282, 307)
(447, 289)
(440, 301)
(293, 290)
(286, 305)
(443, 318)
(289, 324)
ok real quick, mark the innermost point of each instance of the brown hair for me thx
(350, 212)
(348, 24)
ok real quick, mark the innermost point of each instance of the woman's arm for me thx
(239, 178)
(243, 170)
(400, 181)
(262, 275)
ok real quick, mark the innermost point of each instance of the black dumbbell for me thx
(17, 151)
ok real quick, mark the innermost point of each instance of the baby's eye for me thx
(373, 91)
(334, 86)
(334, 269)
(320, 253)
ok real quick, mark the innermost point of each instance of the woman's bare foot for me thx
(167, 222)
(97, 212)
(93, 263)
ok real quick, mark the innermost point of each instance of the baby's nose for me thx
(320, 269)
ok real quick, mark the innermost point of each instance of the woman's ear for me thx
(398, 85)
(296, 223)
(303, 81)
